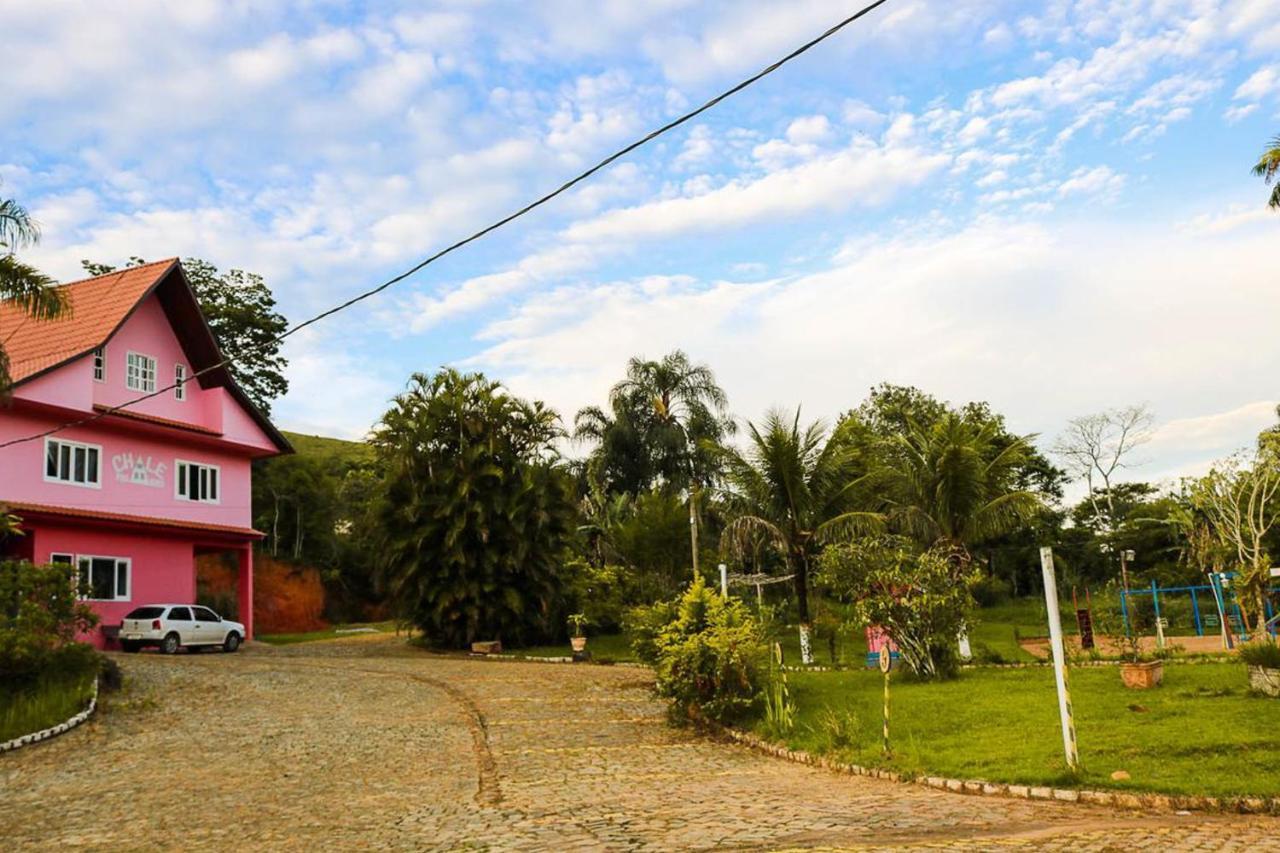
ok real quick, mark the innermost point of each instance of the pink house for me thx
(131, 497)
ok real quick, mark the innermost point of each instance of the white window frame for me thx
(44, 463)
(100, 364)
(115, 576)
(137, 380)
(179, 381)
(181, 474)
(71, 559)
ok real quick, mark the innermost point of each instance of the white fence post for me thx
(724, 581)
(1059, 658)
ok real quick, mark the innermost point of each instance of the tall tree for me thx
(475, 513)
(242, 314)
(666, 419)
(1267, 167)
(955, 483)
(1097, 448)
(794, 489)
(30, 289)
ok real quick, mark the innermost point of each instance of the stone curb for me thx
(509, 658)
(1025, 665)
(65, 726)
(977, 787)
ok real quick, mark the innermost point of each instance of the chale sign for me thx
(138, 469)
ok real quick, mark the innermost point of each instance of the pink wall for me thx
(162, 568)
(22, 472)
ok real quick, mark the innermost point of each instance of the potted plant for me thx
(1138, 671)
(578, 631)
(1263, 660)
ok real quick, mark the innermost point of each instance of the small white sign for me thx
(138, 469)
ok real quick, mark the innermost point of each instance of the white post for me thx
(1059, 658)
(724, 581)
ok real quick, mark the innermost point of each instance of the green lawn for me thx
(607, 647)
(51, 700)
(330, 633)
(1200, 733)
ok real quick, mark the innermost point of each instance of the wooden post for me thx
(1059, 659)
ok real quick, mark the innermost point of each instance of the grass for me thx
(1202, 732)
(615, 647)
(48, 702)
(330, 633)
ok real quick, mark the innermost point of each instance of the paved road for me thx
(366, 744)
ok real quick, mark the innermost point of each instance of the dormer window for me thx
(179, 382)
(100, 364)
(140, 373)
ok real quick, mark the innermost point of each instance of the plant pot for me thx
(1265, 680)
(578, 643)
(1142, 676)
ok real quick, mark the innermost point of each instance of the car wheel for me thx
(231, 643)
(130, 646)
(169, 645)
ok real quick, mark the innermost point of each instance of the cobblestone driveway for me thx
(366, 744)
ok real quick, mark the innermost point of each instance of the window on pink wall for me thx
(180, 382)
(100, 364)
(103, 578)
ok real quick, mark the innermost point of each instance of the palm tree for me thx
(27, 287)
(668, 417)
(1267, 167)
(954, 483)
(795, 489)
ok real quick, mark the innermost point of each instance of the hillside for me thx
(338, 453)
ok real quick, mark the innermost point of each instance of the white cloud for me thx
(1261, 84)
(1098, 180)
(1235, 114)
(863, 174)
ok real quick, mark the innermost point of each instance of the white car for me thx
(173, 626)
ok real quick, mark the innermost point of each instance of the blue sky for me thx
(1044, 205)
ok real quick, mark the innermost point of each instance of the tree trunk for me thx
(801, 569)
(693, 526)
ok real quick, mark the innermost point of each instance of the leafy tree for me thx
(921, 597)
(1267, 167)
(954, 483)
(794, 489)
(475, 515)
(666, 419)
(30, 289)
(242, 314)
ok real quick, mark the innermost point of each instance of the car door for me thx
(179, 619)
(208, 625)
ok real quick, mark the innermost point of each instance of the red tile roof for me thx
(98, 306)
(17, 508)
(154, 419)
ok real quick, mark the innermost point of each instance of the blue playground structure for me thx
(1220, 606)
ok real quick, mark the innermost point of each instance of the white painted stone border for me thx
(52, 731)
(978, 787)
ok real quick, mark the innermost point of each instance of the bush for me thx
(1262, 653)
(991, 591)
(598, 592)
(40, 618)
(710, 658)
(643, 625)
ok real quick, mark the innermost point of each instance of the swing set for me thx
(1224, 616)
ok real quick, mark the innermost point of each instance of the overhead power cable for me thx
(418, 267)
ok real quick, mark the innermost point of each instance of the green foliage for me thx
(779, 708)
(315, 507)
(242, 314)
(989, 591)
(710, 658)
(643, 624)
(475, 516)
(1261, 653)
(792, 490)
(1267, 167)
(664, 420)
(40, 617)
(44, 701)
(28, 288)
(599, 593)
(921, 598)
(578, 623)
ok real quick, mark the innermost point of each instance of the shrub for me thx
(920, 598)
(598, 592)
(1262, 653)
(643, 625)
(991, 591)
(709, 658)
(40, 617)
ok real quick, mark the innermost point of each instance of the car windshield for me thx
(145, 613)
